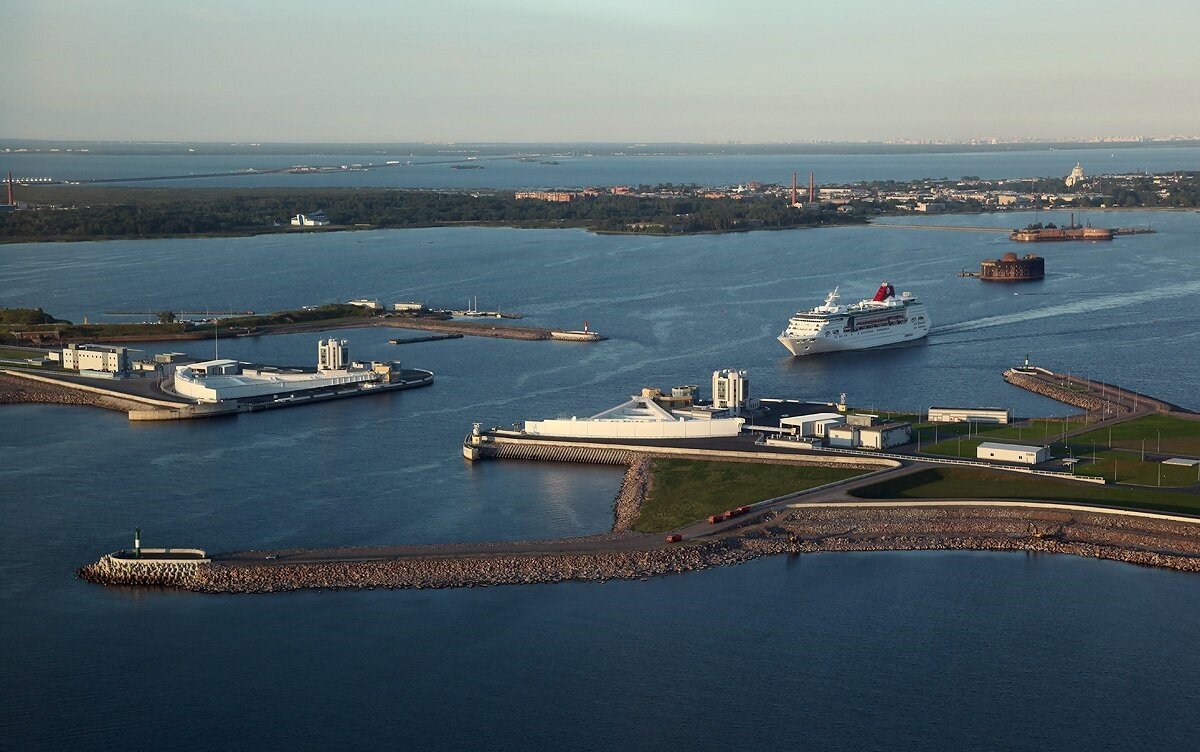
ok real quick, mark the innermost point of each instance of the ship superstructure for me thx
(883, 320)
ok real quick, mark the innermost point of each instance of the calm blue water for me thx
(576, 172)
(871, 651)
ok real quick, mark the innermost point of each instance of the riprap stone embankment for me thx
(903, 527)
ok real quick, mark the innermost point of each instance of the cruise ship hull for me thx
(912, 330)
(817, 346)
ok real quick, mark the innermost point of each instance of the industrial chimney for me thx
(793, 189)
(10, 195)
(812, 189)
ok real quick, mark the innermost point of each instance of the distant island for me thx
(67, 212)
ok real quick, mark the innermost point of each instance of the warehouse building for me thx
(968, 414)
(1020, 453)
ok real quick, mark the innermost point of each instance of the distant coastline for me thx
(69, 147)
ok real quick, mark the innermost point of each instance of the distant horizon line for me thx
(1109, 141)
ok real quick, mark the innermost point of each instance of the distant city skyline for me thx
(525, 71)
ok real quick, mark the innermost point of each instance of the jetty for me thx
(430, 338)
(841, 515)
(478, 329)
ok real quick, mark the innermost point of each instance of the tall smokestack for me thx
(812, 189)
(10, 196)
(793, 189)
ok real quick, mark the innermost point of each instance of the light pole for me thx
(1158, 440)
(1143, 450)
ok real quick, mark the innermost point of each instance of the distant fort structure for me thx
(1010, 268)
(1038, 233)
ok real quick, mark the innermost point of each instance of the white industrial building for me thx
(813, 425)
(332, 354)
(884, 435)
(730, 390)
(1026, 455)
(639, 418)
(316, 219)
(373, 305)
(870, 436)
(968, 414)
(96, 358)
(222, 380)
(843, 436)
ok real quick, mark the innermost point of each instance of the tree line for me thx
(232, 212)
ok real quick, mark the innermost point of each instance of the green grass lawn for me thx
(1039, 431)
(963, 483)
(18, 354)
(1177, 435)
(683, 491)
(1130, 469)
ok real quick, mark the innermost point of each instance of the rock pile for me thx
(1161, 543)
(1062, 394)
(633, 492)
(15, 390)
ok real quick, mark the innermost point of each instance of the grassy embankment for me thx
(963, 483)
(683, 491)
(960, 439)
(28, 320)
(17, 354)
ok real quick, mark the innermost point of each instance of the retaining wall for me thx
(511, 447)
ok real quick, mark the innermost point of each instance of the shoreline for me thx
(903, 526)
(251, 233)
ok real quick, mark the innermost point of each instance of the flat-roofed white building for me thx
(843, 436)
(813, 425)
(968, 414)
(316, 219)
(884, 435)
(221, 380)
(96, 358)
(1021, 453)
(639, 418)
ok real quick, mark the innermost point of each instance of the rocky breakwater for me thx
(904, 526)
(1135, 540)
(634, 488)
(483, 570)
(17, 390)
(167, 567)
(1062, 394)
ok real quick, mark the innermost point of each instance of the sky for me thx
(747, 71)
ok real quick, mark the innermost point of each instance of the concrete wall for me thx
(635, 429)
(115, 569)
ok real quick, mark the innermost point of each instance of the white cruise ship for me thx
(883, 320)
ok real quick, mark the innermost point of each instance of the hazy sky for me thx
(598, 70)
